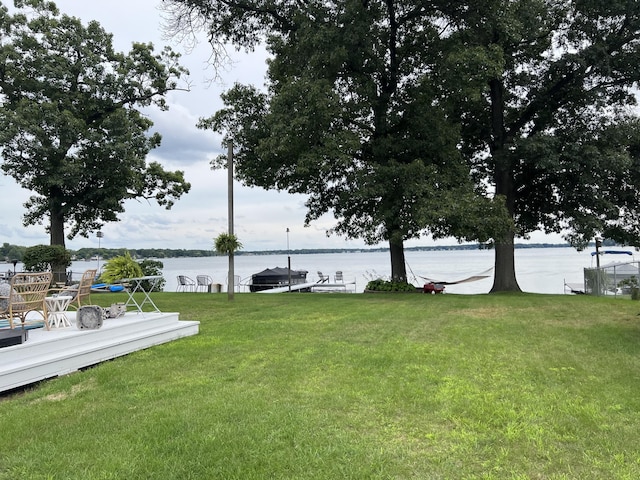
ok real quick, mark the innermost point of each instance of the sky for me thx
(261, 217)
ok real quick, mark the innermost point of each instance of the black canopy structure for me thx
(275, 278)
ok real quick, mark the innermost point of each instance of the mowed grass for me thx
(335, 386)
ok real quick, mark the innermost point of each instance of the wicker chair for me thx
(26, 294)
(79, 292)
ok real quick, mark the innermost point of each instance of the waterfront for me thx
(539, 270)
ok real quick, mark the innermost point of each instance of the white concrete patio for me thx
(59, 351)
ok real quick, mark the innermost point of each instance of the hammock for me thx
(473, 278)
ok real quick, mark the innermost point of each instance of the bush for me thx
(380, 285)
(41, 258)
(150, 268)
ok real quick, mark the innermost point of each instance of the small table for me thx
(56, 310)
(136, 286)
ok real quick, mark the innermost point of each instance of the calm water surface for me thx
(539, 270)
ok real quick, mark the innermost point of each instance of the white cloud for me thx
(183, 143)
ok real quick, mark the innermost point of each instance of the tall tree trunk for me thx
(398, 266)
(504, 279)
(56, 237)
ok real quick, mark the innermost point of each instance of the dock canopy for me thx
(276, 277)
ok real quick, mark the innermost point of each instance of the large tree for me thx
(351, 117)
(545, 91)
(71, 129)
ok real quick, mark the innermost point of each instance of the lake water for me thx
(539, 270)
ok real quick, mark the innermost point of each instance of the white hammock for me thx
(472, 278)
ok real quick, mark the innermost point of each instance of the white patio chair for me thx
(322, 278)
(237, 283)
(203, 282)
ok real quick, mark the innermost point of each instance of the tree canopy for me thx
(71, 129)
(404, 117)
(350, 118)
(545, 91)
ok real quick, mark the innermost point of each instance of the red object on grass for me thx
(433, 288)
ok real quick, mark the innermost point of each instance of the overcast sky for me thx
(261, 217)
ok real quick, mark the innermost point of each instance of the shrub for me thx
(152, 267)
(42, 257)
(380, 285)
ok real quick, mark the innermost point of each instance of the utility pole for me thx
(599, 288)
(288, 260)
(230, 279)
(99, 234)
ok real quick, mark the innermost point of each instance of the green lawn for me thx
(335, 386)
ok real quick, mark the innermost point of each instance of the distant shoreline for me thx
(160, 253)
(424, 248)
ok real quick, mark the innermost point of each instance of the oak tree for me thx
(545, 91)
(72, 131)
(350, 117)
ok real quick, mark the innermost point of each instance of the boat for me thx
(615, 278)
(106, 288)
(277, 277)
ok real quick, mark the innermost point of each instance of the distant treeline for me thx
(475, 246)
(14, 252)
(138, 253)
(10, 253)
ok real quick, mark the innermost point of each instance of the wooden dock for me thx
(59, 351)
(314, 287)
